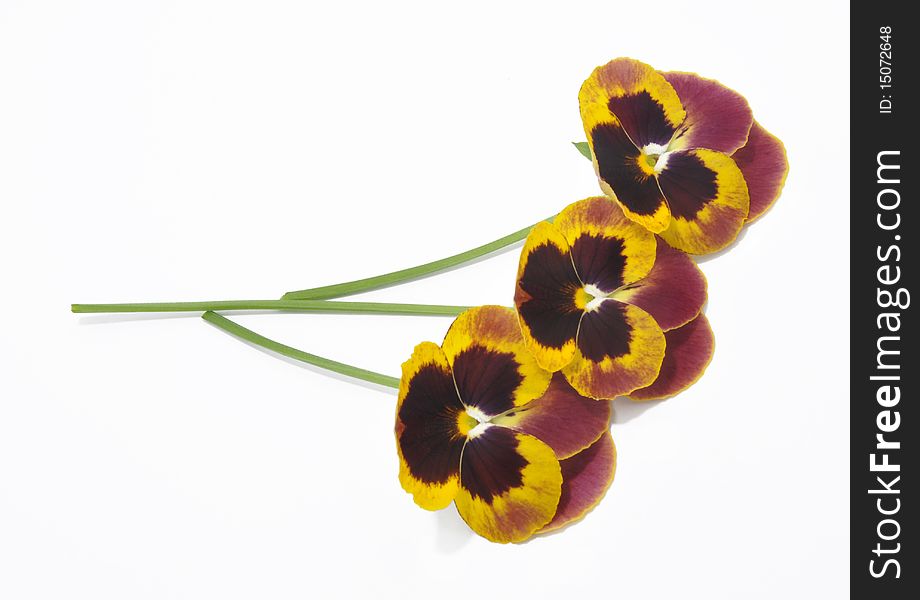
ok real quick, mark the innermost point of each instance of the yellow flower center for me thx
(582, 297)
(647, 163)
(465, 422)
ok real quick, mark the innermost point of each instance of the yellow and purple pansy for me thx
(681, 154)
(618, 312)
(481, 424)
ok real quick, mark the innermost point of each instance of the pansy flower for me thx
(681, 154)
(600, 298)
(480, 424)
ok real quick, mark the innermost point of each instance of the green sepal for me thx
(584, 148)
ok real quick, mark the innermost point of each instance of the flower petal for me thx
(545, 297)
(764, 165)
(510, 484)
(708, 199)
(718, 117)
(673, 292)
(626, 178)
(586, 477)
(625, 106)
(427, 435)
(607, 249)
(689, 352)
(562, 418)
(620, 349)
(492, 367)
(634, 94)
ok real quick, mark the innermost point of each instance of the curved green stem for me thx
(396, 277)
(312, 359)
(320, 306)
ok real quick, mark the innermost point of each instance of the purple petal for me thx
(673, 292)
(688, 353)
(562, 418)
(718, 117)
(585, 479)
(764, 165)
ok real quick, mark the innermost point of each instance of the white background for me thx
(196, 150)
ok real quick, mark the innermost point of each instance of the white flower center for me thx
(597, 297)
(656, 156)
(478, 430)
(477, 414)
(662, 162)
(655, 149)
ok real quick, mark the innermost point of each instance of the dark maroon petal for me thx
(688, 184)
(510, 484)
(708, 199)
(608, 249)
(600, 260)
(620, 349)
(562, 418)
(492, 368)
(764, 165)
(427, 427)
(605, 332)
(545, 296)
(487, 379)
(718, 117)
(643, 117)
(673, 292)
(688, 352)
(618, 166)
(635, 94)
(552, 323)
(585, 479)
(492, 464)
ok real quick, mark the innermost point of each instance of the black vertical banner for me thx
(885, 374)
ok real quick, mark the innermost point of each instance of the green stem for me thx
(396, 277)
(325, 363)
(383, 308)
